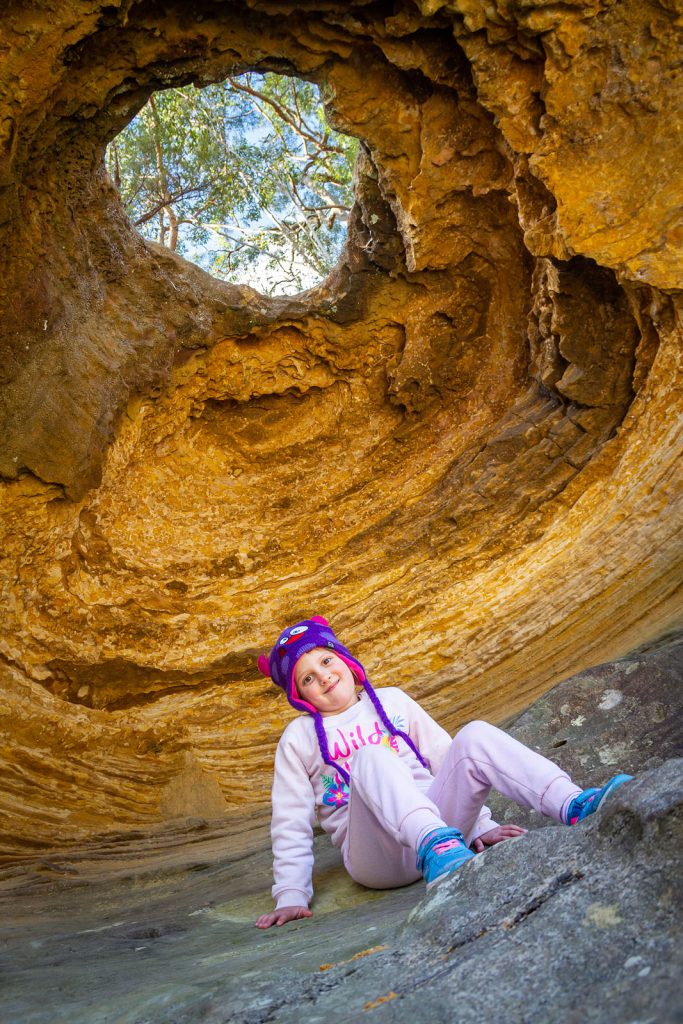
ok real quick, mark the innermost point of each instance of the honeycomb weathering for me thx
(461, 448)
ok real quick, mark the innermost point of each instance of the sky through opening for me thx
(244, 178)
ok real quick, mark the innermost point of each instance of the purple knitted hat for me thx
(279, 666)
(289, 647)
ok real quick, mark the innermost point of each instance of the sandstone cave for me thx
(462, 447)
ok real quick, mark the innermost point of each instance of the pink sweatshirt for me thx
(305, 787)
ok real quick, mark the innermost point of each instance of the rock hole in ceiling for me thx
(244, 177)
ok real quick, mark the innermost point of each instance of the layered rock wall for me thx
(461, 447)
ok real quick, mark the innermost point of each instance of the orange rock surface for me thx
(463, 447)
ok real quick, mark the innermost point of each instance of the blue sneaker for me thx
(588, 802)
(440, 853)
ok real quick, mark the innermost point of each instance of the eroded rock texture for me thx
(461, 447)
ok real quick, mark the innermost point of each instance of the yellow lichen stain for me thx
(368, 952)
(603, 915)
(382, 999)
(356, 956)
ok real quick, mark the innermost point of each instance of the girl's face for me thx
(325, 681)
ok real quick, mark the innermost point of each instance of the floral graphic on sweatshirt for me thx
(342, 746)
(388, 738)
(389, 741)
(336, 791)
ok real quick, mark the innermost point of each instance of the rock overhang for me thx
(459, 447)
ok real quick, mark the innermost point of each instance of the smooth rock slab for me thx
(579, 924)
(162, 938)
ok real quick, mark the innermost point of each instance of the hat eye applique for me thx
(292, 635)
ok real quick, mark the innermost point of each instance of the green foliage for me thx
(245, 178)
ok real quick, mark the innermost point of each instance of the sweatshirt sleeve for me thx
(292, 828)
(433, 742)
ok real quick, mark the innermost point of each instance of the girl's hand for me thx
(496, 835)
(282, 916)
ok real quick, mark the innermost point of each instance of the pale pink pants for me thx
(389, 814)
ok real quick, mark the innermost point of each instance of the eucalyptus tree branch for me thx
(169, 200)
(116, 176)
(320, 192)
(284, 114)
(303, 120)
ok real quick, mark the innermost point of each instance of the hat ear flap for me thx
(263, 665)
(319, 619)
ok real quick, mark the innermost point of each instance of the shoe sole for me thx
(447, 874)
(615, 783)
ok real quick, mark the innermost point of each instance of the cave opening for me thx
(245, 178)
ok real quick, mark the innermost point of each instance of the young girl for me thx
(395, 793)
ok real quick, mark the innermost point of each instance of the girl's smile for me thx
(324, 680)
